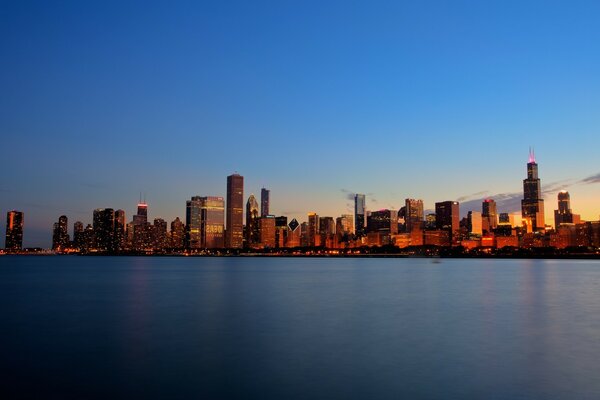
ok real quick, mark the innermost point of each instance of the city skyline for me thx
(207, 225)
(431, 101)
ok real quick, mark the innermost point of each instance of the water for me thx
(299, 328)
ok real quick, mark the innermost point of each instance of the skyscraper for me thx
(212, 221)
(489, 215)
(104, 229)
(14, 230)
(78, 238)
(120, 229)
(252, 222)
(359, 214)
(234, 234)
(264, 202)
(177, 234)
(294, 234)
(193, 223)
(532, 205)
(413, 214)
(60, 234)
(159, 234)
(312, 230)
(267, 231)
(447, 217)
(563, 215)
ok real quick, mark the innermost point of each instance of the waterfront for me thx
(250, 327)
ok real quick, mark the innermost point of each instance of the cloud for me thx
(591, 179)
(470, 196)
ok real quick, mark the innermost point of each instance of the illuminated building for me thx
(89, 238)
(252, 222)
(475, 220)
(212, 220)
(430, 221)
(104, 229)
(159, 234)
(532, 205)
(193, 223)
(60, 234)
(383, 221)
(489, 215)
(312, 232)
(14, 230)
(142, 229)
(281, 231)
(447, 217)
(264, 202)
(413, 214)
(326, 231)
(564, 215)
(78, 239)
(120, 230)
(293, 234)
(177, 234)
(234, 233)
(359, 214)
(267, 231)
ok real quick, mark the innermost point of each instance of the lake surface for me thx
(299, 328)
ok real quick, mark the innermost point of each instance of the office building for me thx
(104, 229)
(60, 234)
(234, 233)
(252, 222)
(360, 212)
(14, 230)
(193, 223)
(264, 202)
(413, 214)
(212, 221)
(532, 205)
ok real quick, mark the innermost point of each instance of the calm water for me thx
(285, 328)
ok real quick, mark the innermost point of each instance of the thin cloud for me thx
(470, 196)
(591, 179)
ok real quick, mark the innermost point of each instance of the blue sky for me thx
(437, 100)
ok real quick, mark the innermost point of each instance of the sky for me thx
(315, 100)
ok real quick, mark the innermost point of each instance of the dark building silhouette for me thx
(78, 238)
(14, 230)
(413, 214)
(104, 229)
(563, 215)
(447, 218)
(489, 215)
(532, 205)
(264, 202)
(60, 234)
(120, 229)
(234, 232)
(359, 214)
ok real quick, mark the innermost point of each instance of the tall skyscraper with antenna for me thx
(532, 205)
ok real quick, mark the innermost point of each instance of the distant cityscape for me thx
(215, 225)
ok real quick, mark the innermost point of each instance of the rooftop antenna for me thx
(531, 155)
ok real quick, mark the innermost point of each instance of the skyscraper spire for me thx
(531, 154)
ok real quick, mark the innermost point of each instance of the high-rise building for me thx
(327, 231)
(383, 221)
(294, 234)
(120, 229)
(430, 221)
(104, 229)
(160, 234)
(312, 230)
(142, 230)
(447, 217)
(564, 215)
(234, 233)
(532, 205)
(212, 221)
(14, 230)
(60, 234)
(345, 224)
(177, 234)
(359, 214)
(413, 215)
(489, 215)
(78, 238)
(267, 231)
(142, 214)
(264, 202)
(252, 222)
(281, 231)
(475, 222)
(193, 223)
